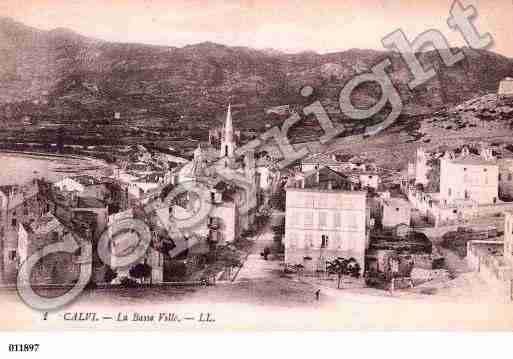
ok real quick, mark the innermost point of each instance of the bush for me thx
(128, 283)
(110, 275)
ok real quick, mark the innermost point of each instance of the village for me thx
(334, 220)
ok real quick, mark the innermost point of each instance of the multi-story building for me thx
(506, 179)
(18, 204)
(394, 212)
(469, 177)
(421, 166)
(325, 219)
(508, 238)
(506, 88)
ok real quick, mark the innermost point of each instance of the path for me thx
(255, 266)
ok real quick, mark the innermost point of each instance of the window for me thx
(450, 192)
(336, 242)
(500, 177)
(293, 240)
(294, 219)
(308, 219)
(308, 240)
(324, 241)
(336, 220)
(510, 176)
(322, 219)
(485, 170)
(14, 222)
(397, 209)
(12, 255)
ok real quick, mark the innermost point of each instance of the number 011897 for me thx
(23, 347)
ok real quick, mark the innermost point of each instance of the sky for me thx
(286, 25)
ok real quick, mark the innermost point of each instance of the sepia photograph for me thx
(247, 165)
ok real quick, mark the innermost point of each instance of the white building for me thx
(421, 166)
(506, 87)
(469, 177)
(228, 144)
(324, 220)
(367, 179)
(395, 211)
(319, 160)
(506, 178)
(508, 238)
(68, 184)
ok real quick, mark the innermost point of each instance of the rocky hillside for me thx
(60, 76)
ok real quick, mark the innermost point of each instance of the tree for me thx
(341, 267)
(337, 266)
(299, 269)
(353, 268)
(140, 271)
(230, 259)
(110, 275)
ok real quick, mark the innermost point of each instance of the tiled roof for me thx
(321, 159)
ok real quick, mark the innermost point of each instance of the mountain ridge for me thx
(72, 76)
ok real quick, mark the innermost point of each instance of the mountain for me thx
(64, 77)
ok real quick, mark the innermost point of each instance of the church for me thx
(230, 180)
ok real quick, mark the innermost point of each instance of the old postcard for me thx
(256, 165)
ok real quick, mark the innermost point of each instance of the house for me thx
(469, 177)
(366, 179)
(68, 184)
(421, 167)
(395, 211)
(506, 88)
(506, 179)
(324, 219)
(222, 225)
(508, 237)
(54, 268)
(122, 242)
(319, 160)
(18, 204)
(84, 186)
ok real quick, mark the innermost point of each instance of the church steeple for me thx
(228, 127)
(227, 142)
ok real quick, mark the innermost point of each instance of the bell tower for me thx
(227, 142)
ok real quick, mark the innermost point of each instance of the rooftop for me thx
(321, 159)
(323, 179)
